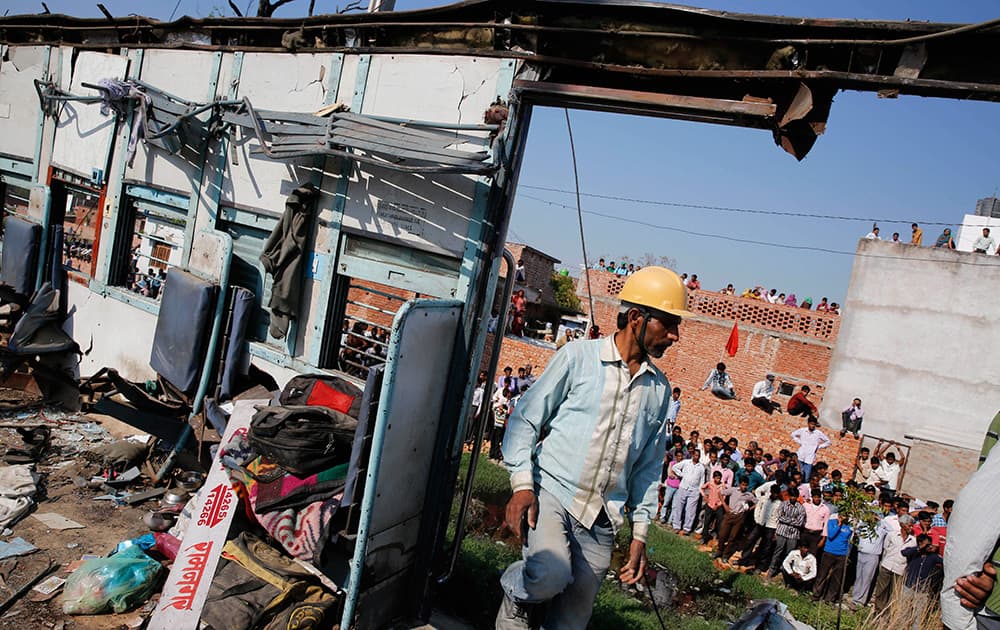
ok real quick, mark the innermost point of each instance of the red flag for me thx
(734, 341)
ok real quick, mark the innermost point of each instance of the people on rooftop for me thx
(918, 235)
(945, 240)
(694, 284)
(873, 235)
(984, 243)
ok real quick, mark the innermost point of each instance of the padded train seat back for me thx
(18, 264)
(182, 328)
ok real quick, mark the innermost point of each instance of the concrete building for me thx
(917, 343)
(972, 228)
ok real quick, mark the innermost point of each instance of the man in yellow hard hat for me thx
(584, 447)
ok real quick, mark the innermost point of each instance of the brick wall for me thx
(936, 471)
(538, 270)
(797, 354)
(384, 308)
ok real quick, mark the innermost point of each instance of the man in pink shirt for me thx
(714, 511)
(817, 516)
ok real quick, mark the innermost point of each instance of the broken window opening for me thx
(15, 193)
(76, 206)
(150, 242)
(362, 324)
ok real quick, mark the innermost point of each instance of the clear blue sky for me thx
(908, 159)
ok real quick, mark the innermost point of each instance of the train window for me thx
(77, 207)
(150, 241)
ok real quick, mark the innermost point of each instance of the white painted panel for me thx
(84, 135)
(186, 74)
(119, 335)
(285, 82)
(438, 88)
(18, 100)
(429, 212)
(426, 212)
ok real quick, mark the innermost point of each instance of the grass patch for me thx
(473, 592)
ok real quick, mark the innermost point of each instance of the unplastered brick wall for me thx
(383, 307)
(538, 270)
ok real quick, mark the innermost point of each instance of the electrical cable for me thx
(780, 213)
(735, 239)
(579, 216)
(656, 607)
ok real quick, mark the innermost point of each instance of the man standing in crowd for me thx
(791, 517)
(890, 467)
(817, 517)
(601, 408)
(852, 417)
(918, 235)
(864, 467)
(869, 550)
(810, 440)
(890, 572)
(715, 509)
(800, 405)
(834, 561)
(761, 396)
(738, 499)
(984, 243)
(765, 517)
(693, 475)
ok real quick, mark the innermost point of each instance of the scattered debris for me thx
(18, 485)
(16, 547)
(10, 601)
(46, 590)
(53, 520)
(117, 583)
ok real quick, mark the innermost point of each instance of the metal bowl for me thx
(175, 497)
(189, 480)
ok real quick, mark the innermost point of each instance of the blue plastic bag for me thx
(117, 583)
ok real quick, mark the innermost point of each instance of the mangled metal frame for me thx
(639, 57)
(169, 122)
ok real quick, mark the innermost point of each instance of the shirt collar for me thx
(609, 354)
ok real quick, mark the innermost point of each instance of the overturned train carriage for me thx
(148, 157)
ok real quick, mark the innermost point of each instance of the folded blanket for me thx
(291, 491)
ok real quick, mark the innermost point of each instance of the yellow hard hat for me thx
(657, 288)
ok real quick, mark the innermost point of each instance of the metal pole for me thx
(579, 216)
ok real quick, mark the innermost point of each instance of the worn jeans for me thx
(713, 519)
(782, 547)
(685, 509)
(806, 471)
(829, 577)
(867, 566)
(564, 565)
(668, 499)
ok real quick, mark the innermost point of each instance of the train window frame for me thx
(61, 185)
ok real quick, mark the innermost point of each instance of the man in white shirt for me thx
(873, 235)
(693, 475)
(984, 243)
(674, 406)
(799, 568)
(761, 396)
(890, 468)
(893, 567)
(810, 440)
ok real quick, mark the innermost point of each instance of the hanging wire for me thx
(579, 216)
(780, 213)
(735, 239)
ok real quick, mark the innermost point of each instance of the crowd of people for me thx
(759, 292)
(779, 516)
(984, 244)
(362, 346)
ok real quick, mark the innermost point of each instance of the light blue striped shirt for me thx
(592, 435)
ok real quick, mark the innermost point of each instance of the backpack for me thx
(323, 390)
(303, 439)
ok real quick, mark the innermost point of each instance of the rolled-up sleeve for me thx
(644, 484)
(533, 412)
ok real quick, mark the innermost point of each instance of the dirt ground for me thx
(62, 468)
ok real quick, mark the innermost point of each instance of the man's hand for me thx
(636, 566)
(796, 575)
(974, 589)
(524, 502)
